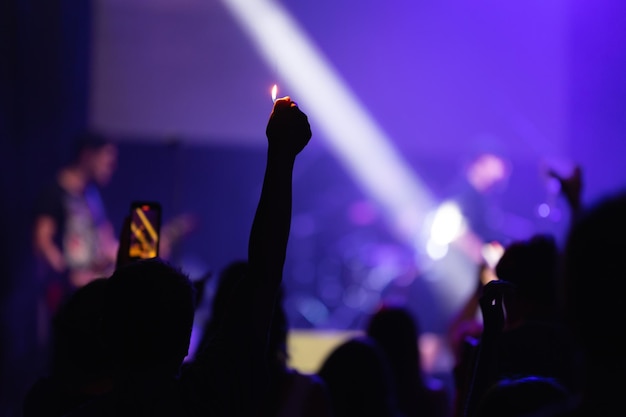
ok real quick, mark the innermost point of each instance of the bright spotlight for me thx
(436, 250)
(448, 224)
(543, 210)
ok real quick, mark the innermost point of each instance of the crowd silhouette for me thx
(548, 342)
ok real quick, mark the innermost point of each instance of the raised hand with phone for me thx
(143, 236)
(140, 236)
(145, 230)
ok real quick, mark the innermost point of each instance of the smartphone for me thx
(145, 229)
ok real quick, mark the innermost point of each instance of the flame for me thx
(274, 92)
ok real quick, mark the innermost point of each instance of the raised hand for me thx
(571, 187)
(288, 130)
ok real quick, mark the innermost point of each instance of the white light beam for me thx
(352, 133)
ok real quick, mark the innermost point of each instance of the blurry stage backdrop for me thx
(402, 97)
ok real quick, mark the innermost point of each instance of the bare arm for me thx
(234, 361)
(288, 132)
(43, 241)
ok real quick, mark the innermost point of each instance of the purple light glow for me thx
(435, 77)
(444, 80)
(423, 86)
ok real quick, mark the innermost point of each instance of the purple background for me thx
(186, 94)
(435, 75)
(538, 82)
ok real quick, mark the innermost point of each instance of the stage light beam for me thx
(352, 133)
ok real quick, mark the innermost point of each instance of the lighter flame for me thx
(274, 92)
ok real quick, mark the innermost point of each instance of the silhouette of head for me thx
(359, 381)
(78, 352)
(228, 280)
(531, 266)
(522, 396)
(396, 331)
(594, 273)
(148, 317)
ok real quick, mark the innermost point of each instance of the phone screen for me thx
(145, 223)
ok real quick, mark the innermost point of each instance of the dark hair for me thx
(78, 353)
(594, 270)
(148, 316)
(359, 379)
(397, 332)
(532, 266)
(521, 396)
(228, 281)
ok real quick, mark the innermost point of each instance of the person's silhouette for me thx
(397, 332)
(81, 367)
(149, 308)
(522, 336)
(594, 305)
(290, 393)
(359, 380)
